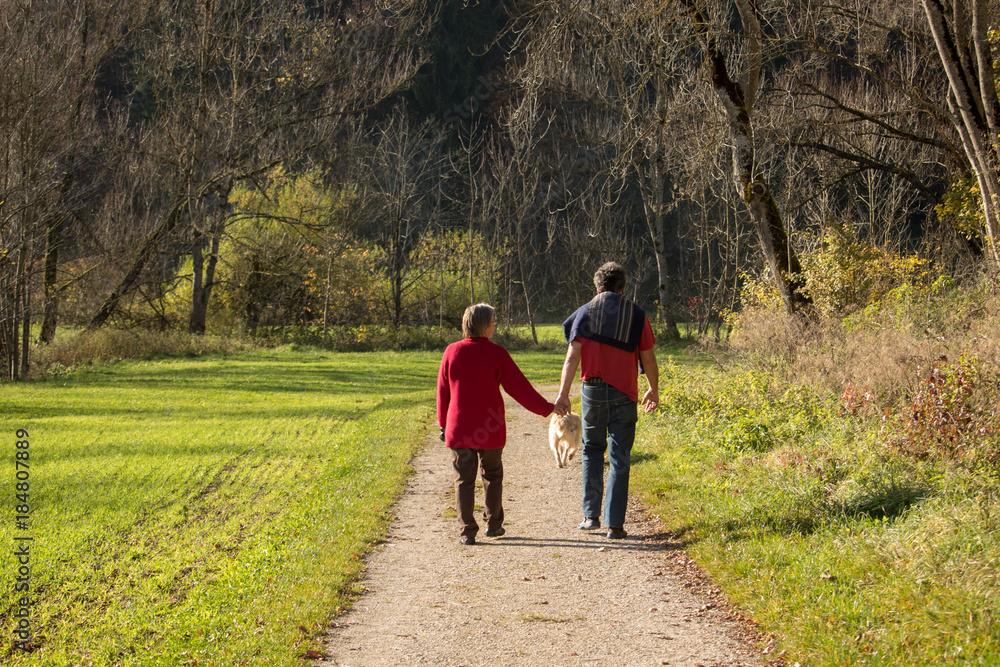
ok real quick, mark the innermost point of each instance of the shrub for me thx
(874, 349)
(747, 434)
(953, 415)
(845, 275)
(961, 208)
(296, 254)
(291, 255)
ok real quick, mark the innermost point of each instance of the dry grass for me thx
(846, 547)
(885, 348)
(84, 348)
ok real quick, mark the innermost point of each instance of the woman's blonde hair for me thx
(476, 319)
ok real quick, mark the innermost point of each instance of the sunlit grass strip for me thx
(206, 511)
(845, 552)
(209, 511)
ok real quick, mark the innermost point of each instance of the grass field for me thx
(214, 510)
(205, 511)
(845, 552)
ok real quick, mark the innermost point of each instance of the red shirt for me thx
(617, 367)
(469, 404)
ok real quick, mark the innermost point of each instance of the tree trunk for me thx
(663, 290)
(326, 289)
(20, 288)
(50, 307)
(524, 282)
(131, 278)
(199, 299)
(397, 287)
(657, 231)
(205, 282)
(659, 223)
(737, 101)
(973, 101)
(25, 325)
(781, 259)
(6, 318)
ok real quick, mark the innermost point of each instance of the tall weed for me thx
(954, 414)
(839, 476)
(877, 349)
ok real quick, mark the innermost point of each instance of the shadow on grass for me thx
(884, 503)
(736, 530)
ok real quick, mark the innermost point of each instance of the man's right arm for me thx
(570, 365)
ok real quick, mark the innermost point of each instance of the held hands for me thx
(562, 406)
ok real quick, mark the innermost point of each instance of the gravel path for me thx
(545, 593)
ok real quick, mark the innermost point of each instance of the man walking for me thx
(611, 341)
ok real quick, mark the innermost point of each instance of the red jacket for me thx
(469, 404)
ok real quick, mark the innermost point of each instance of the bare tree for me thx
(402, 199)
(736, 95)
(522, 195)
(863, 98)
(962, 35)
(87, 33)
(612, 62)
(238, 89)
(49, 59)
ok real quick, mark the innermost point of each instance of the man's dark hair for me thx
(610, 277)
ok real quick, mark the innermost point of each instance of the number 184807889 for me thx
(22, 475)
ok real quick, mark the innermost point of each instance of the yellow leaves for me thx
(302, 200)
(961, 207)
(845, 275)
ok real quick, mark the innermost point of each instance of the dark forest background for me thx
(239, 166)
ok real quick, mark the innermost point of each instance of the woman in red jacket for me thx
(471, 415)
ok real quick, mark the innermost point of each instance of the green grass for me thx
(548, 334)
(845, 552)
(209, 511)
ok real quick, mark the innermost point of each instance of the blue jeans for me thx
(609, 418)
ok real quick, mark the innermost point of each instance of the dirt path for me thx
(545, 593)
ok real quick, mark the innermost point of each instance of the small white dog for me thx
(565, 437)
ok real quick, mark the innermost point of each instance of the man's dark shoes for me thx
(467, 540)
(590, 523)
(495, 532)
(616, 533)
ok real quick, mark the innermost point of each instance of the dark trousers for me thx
(466, 463)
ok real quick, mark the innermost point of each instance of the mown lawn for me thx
(206, 511)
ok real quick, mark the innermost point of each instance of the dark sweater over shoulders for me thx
(469, 404)
(608, 318)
